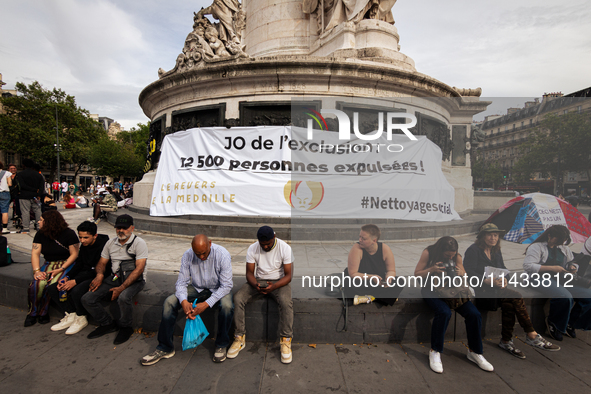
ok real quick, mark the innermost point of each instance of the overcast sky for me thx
(105, 52)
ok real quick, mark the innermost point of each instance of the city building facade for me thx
(506, 140)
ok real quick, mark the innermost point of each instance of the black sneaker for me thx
(570, 331)
(30, 320)
(553, 331)
(123, 335)
(43, 319)
(103, 330)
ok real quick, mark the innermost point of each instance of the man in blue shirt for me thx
(205, 276)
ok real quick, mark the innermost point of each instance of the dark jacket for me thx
(87, 260)
(475, 260)
(31, 184)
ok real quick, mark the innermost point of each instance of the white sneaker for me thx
(66, 322)
(435, 361)
(285, 350)
(156, 356)
(479, 360)
(78, 325)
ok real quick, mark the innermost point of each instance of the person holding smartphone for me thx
(268, 261)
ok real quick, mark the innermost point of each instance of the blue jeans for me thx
(170, 311)
(563, 310)
(443, 312)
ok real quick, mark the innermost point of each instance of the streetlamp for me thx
(57, 145)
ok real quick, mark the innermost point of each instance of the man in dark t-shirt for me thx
(78, 280)
(31, 186)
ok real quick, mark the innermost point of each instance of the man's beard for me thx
(122, 236)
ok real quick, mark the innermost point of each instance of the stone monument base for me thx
(367, 40)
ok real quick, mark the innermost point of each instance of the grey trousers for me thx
(91, 302)
(26, 206)
(283, 297)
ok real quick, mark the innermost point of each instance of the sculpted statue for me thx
(197, 40)
(338, 11)
(209, 42)
(211, 34)
(225, 11)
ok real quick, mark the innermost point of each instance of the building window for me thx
(10, 159)
(513, 126)
(531, 121)
(521, 124)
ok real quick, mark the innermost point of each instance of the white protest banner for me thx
(276, 171)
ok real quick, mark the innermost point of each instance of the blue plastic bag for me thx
(195, 332)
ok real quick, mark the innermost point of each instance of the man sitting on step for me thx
(273, 260)
(80, 277)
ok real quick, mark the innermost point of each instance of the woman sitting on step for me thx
(434, 261)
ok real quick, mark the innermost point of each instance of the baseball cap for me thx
(265, 234)
(124, 221)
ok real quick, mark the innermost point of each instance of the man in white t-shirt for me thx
(268, 272)
(64, 187)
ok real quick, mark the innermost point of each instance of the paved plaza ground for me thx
(37, 360)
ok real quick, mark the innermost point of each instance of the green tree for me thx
(114, 158)
(494, 175)
(28, 126)
(138, 137)
(123, 156)
(477, 171)
(489, 173)
(562, 144)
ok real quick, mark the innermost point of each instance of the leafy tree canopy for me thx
(28, 125)
(562, 144)
(123, 156)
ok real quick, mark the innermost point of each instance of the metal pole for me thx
(57, 146)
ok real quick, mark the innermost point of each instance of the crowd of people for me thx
(81, 270)
(30, 196)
